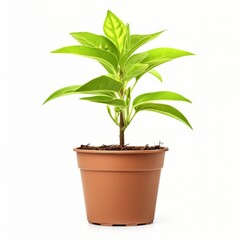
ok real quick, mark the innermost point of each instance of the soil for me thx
(120, 148)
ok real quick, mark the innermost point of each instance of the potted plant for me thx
(120, 182)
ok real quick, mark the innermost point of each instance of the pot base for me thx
(120, 225)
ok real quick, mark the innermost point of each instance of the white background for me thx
(41, 195)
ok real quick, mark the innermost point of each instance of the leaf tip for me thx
(188, 100)
(164, 30)
(45, 102)
(191, 54)
(188, 124)
(109, 12)
(54, 51)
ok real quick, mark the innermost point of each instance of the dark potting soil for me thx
(120, 148)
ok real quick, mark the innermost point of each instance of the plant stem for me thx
(121, 130)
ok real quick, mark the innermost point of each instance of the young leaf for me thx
(159, 56)
(163, 109)
(63, 92)
(158, 96)
(115, 30)
(95, 41)
(137, 40)
(137, 58)
(102, 83)
(126, 41)
(100, 55)
(156, 74)
(135, 70)
(106, 100)
(126, 62)
(111, 116)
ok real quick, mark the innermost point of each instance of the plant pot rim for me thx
(120, 152)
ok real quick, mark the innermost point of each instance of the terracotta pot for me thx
(120, 187)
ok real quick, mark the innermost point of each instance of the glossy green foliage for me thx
(115, 51)
(158, 96)
(156, 74)
(102, 85)
(115, 30)
(163, 109)
(95, 41)
(106, 100)
(107, 59)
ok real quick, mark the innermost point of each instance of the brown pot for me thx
(120, 187)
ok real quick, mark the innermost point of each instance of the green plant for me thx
(115, 52)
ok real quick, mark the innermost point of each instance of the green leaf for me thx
(159, 56)
(158, 96)
(100, 55)
(106, 100)
(126, 62)
(163, 109)
(135, 70)
(115, 30)
(162, 55)
(126, 41)
(137, 40)
(95, 41)
(137, 58)
(102, 83)
(156, 74)
(63, 92)
(111, 116)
